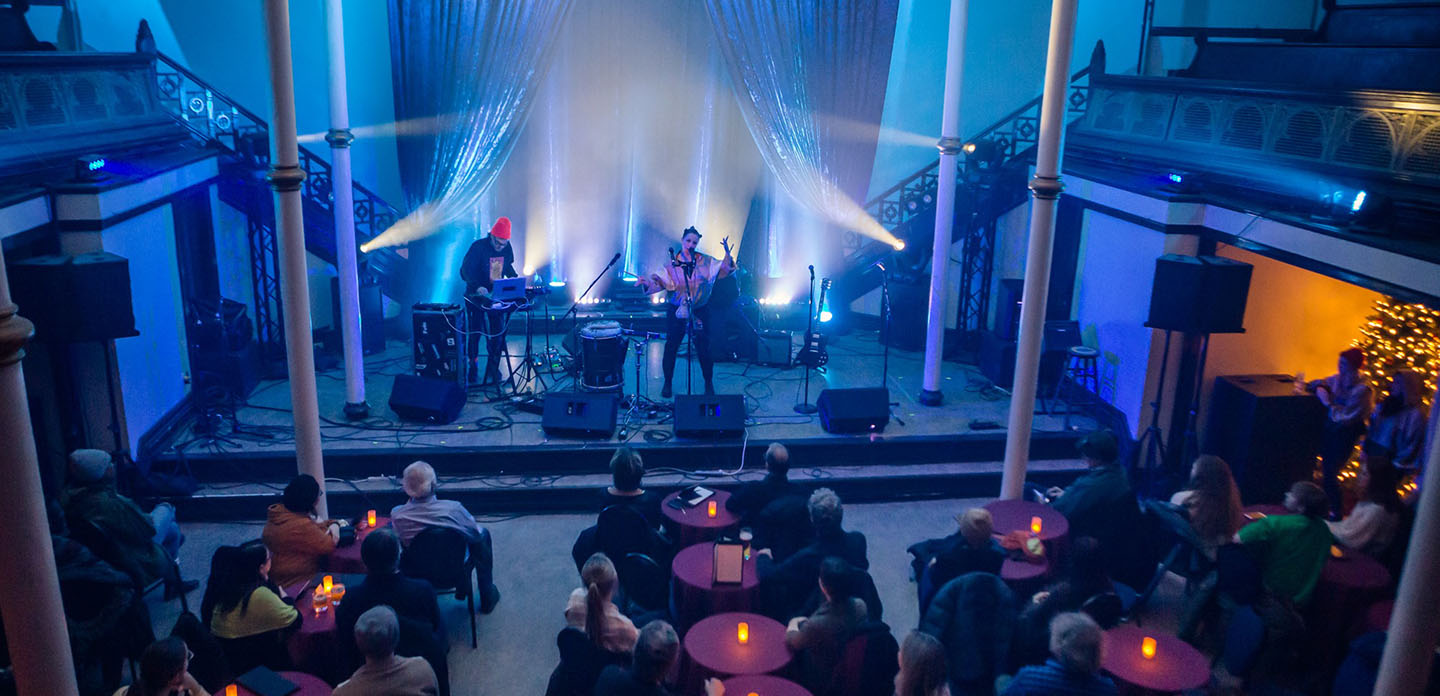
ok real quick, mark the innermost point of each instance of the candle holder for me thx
(370, 518)
(742, 632)
(1035, 525)
(232, 690)
(1147, 647)
(328, 582)
(711, 509)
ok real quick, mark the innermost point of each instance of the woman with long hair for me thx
(1213, 502)
(245, 611)
(1371, 524)
(164, 671)
(922, 667)
(591, 607)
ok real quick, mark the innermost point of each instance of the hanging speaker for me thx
(1199, 294)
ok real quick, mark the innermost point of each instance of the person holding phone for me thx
(165, 671)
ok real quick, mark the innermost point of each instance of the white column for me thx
(30, 599)
(1045, 196)
(1410, 643)
(285, 178)
(949, 145)
(340, 138)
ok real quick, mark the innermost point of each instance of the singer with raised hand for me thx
(687, 279)
(487, 261)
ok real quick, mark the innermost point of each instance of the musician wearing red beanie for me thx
(487, 261)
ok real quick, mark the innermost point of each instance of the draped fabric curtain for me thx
(465, 76)
(810, 78)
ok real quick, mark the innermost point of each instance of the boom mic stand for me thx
(575, 319)
(805, 406)
(885, 323)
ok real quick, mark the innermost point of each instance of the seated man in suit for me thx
(424, 510)
(789, 582)
(422, 628)
(751, 498)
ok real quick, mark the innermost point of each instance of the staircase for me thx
(993, 180)
(245, 141)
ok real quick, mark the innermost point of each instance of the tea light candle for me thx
(328, 582)
(370, 518)
(232, 690)
(1147, 647)
(1035, 525)
(711, 509)
(743, 632)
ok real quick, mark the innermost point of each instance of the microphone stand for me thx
(805, 406)
(885, 325)
(575, 320)
(689, 269)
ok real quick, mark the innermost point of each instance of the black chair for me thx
(580, 664)
(868, 662)
(1105, 608)
(646, 585)
(1185, 556)
(440, 556)
(621, 529)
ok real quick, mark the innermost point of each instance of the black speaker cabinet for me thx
(909, 303)
(854, 410)
(75, 298)
(1199, 294)
(440, 352)
(1268, 434)
(997, 359)
(709, 417)
(1007, 310)
(424, 399)
(579, 414)
(372, 315)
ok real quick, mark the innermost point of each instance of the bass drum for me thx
(602, 357)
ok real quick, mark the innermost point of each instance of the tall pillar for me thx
(340, 138)
(1045, 196)
(1410, 643)
(285, 178)
(29, 600)
(949, 145)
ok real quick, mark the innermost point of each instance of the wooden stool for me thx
(1083, 373)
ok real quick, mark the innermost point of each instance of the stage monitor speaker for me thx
(75, 298)
(579, 414)
(1199, 294)
(709, 417)
(424, 399)
(1268, 434)
(862, 410)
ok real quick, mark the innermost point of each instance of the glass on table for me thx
(337, 593)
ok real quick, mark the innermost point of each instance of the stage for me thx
(498, 457)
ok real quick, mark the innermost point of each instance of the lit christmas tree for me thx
(1400, 337)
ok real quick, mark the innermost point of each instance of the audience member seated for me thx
(1291, 551)
(164, 671)
(592, 610)
(656, 651)
(1348, 399)
(296, 539)
(1102, 505)
(424, 510)
(422, 628)
(922, 667)
(973, 616)
(1085, 577)
(789, 583)
(626, 470)
(750, 498)
(245, 611)
(1397, 426)
(114, 527)
(1076, 648)
(971, 549)
(1212, 501)
(377, 632)
(1370, 526)
(818, 640)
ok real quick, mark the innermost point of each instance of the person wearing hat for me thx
(423, 510)
(1101, 504)
(115, 528)
(487, 261)
(688, 280)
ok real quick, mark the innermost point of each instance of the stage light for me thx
(1176, 178)
(969, 148)
(89, 168)
(899, 245)
(557, 283)
(528, 272)
(1355, 205)
(825, 316)
(657, 299)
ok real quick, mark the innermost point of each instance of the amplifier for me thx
(439, 338)
(774, 348)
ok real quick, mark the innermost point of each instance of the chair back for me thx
(438, 555)
(783, 526)
(622, 529)
(645, 583)
(208, 666)
(581, 662)
(868, 662)
(1105, 608)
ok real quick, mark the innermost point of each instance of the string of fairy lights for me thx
(1397, 336)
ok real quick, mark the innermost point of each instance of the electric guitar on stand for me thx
(813, 354)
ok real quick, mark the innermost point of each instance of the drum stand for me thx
(638, 402)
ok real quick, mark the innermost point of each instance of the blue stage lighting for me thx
(557, 283)
(1176, 178)
(825, 316)
(1358, 203)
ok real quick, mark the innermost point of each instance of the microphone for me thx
(613, 259)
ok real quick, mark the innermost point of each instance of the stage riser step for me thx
(349, 503)
(578, 456)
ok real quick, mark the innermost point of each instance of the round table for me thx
(696, 593)
(694, 525)
(314, 647)
(1262, 510)
(309, 684)
(764, 685)
(713, 649)
(1012, 515)
(1348, 586)
(1023, 572)
(346, 559)
(1176, 666)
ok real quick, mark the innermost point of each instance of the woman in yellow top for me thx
(250, 616)
(688, 279)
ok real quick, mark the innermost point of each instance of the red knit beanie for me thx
(501, 230)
